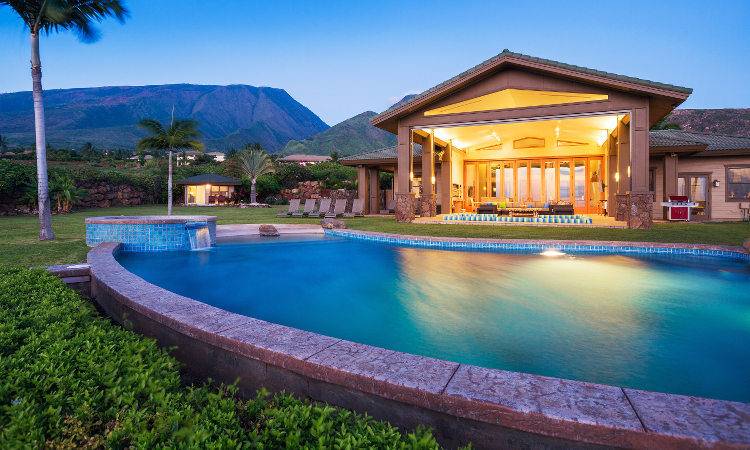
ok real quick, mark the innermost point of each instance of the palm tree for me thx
(179, 135)
(3, 143)
(51, 16)
(254, 161)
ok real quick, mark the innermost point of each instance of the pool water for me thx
(674, 324)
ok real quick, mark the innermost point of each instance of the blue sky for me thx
(342, 58)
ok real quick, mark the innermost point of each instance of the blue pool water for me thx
(676, 324)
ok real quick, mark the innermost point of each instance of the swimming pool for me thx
(666, 323)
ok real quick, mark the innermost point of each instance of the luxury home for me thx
(523, 129)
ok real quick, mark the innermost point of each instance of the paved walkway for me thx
(251, 229)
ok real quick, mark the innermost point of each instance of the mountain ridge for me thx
(114, 111)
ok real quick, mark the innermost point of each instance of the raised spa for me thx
(667, 323)
(152, 233)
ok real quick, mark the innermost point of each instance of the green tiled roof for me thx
(208, 178)
(715, 141)
(383, 153)
(548, 62)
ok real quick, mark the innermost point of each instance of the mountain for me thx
(725, 121)
(229, 116)
(352, 136)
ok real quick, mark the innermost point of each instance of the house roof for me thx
(715, 141)
(531, 59)
(662, 139)
(209, 178)
(383, 154)
(304, 158)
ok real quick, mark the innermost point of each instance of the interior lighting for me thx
(617, 177)
(552, 253)
(433, 180)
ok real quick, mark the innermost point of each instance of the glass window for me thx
(738, 183)
(508, 180)
(496, 176)
(550, 186)
(595, 173)
(482, 180)
(565, 181)
(681, 186)
(470, 181)
(580, 183)
(698, 194)
(523, 181)
(536, 181)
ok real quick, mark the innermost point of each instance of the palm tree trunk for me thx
(169, 187)
(45, 215)
(252, 191)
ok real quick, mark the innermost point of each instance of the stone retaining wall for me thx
(491, 408)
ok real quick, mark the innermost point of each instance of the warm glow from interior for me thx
(593, 131)
(514, 98)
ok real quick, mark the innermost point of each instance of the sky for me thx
(341, 58)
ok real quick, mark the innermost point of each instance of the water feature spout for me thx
(199, 235)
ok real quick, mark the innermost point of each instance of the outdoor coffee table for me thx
(524, 212)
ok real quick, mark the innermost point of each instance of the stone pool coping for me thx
(440, 393)
(545, 244)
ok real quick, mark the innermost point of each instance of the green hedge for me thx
(71, 379)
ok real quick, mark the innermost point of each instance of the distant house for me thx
(208, 188)
(304, 159)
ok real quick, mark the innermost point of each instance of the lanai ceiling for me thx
(588, 130)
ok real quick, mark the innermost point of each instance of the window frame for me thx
(726, 182)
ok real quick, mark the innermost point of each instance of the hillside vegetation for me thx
(725, 121)
(229, 116)
(349, 137)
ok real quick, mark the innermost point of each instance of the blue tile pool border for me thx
(147, 233)
(542, 245)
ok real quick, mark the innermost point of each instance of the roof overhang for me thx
(663, 98)
(212, 183)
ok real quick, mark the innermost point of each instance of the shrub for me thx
(270, 200)
(15, 176)
(289, 175)
(70, 379)
(264, 185)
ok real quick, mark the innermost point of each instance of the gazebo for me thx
(208, 188)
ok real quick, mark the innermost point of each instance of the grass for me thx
(20, 248)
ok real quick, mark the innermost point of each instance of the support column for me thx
(640, 198)
(670, 179)
(446, 179)
(374, 201)
(428, 206)
(623, 157)
(362, 184)
(404, 196)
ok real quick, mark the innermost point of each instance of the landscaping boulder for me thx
(331, 224)
(268, 230)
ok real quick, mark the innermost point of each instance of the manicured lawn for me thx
(19, 247)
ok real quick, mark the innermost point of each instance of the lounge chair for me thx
(293, 207)
(325, 205)
(391, 209)
(338, 209)
(309, 207)
(358, 208)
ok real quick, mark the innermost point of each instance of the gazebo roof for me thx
(210, 178)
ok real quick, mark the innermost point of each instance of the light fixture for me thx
(628, 171)
(433, 180)
(208, 186)
(552, 253)
(617, 177)
(716, 183)
(411, 176)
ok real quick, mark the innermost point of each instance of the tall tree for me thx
(254, 161)
(3, 143)
(181, 134)
(46, 16)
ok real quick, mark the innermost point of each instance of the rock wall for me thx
(311, 189)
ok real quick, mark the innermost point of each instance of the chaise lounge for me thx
(358, 208)
(325, 205)
(293, 207)
(309, 207)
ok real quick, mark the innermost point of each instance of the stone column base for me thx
(621, 207)
(636, 210)
(405, 207)
(641, 208)
(428, 206)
